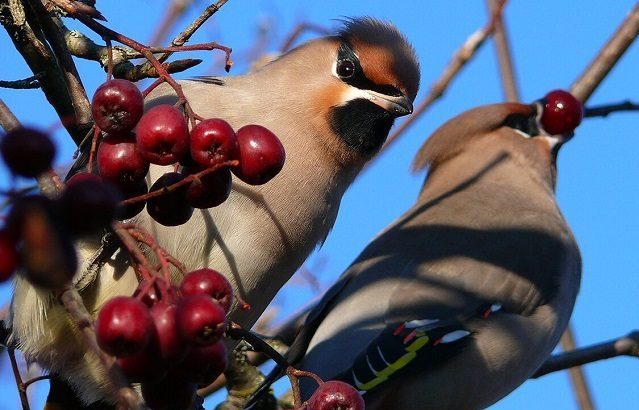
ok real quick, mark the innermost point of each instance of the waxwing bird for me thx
(464, 296)
(331, 102)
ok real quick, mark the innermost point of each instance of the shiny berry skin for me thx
(162, 135)
(209, 282)
(261, 155)
(170, 208)
(27, 152)
(8, 255)
(203, 364)
(131, 210)
(212, 141)
(562, 112)
(143, 366)
(209, 190)
(170, 346)
(117, 106)
(120, 161)
(88, 203)
(200, 319)
(124, 326)
(336, 395)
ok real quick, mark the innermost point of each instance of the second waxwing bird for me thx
(331, 102)
(464, 296)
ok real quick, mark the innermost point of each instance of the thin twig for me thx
(173, 13)
(24, 84)
(27, 38)
(54, 34)
(298, 31)
(22, 389)
(608, 56)
(605, 110)
(624, 346)
(462, 56)
(577, 377)
(504, 56)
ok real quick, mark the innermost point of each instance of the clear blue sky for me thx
(552, 42)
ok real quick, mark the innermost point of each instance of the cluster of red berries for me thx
(167, 338)
(161, 136)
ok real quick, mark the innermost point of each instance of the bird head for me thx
(355, 83)
(522, 131)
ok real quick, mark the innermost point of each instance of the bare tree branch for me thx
(594, 74)
(24, 84)
(28, 39)
(624, 346)
(605, 110)
(54, 34)
(462, 56)
(577, 377)
(174, 11)
(504, 56)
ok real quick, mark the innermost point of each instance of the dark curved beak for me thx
(396, 105)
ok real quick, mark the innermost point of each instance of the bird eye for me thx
(345, 68)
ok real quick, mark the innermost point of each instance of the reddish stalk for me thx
(185, 181)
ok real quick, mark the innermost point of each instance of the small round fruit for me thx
(131, 210)
(124, 326)
(209, 190)
(162, 135)
(261, 155)
(212, 141)
(88, 203)
(200, 319)
(336, 395)
(170, 208)
(170, 346)
(562, 112)
(209, 282)
(203, 364)
(117, 106)
(143, 366)
(27, 152)
(120, 162)
(8, 255)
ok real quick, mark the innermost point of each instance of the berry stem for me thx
(187, 180)
(94, 148)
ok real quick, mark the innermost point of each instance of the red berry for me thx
(27, 151)
(209, 190)
(203, 364)
(261, 155)
(336, 395)
(212, 141)
(200, 319)
(131, 210)
(170, 346)
(562, 113)
(117, 106)
(162, 135)
(88, 203)
(169, 394)
(143, 366)
(209, 282)
(120, 162)
(170, 208)
(8, 255)
(124, 326)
